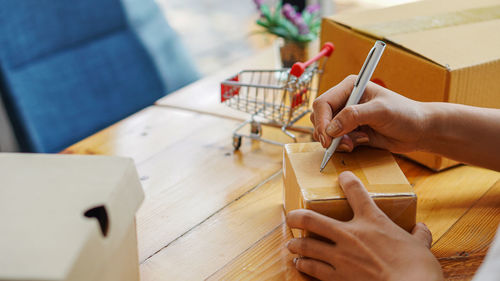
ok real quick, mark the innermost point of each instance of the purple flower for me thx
(289, 12)
(311, 9)
(302, 26)
(295, 18)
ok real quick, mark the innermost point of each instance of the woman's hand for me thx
(382, 119)
(387, 120)
(369, 247)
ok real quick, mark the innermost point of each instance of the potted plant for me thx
(296, 29)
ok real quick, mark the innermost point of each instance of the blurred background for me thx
(70, 69)
(218, 32)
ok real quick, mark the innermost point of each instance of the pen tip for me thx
(321, 169)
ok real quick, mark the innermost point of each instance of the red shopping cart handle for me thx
(299, 67)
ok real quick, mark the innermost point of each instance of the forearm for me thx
(464, 133)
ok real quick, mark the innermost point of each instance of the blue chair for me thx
(71, 68)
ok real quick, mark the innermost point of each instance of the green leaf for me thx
(307, 37)
(290, 27)
(307, 17)
(316, 28)
(281, 32)
(266, 12)
(277, 12)
(275, 23)
(263, 23)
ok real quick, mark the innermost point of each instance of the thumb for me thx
(351, 117)
(356, 194)
(422, 233)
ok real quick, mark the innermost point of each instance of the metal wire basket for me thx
(280, 97)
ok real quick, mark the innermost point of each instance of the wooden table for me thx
(211, 213)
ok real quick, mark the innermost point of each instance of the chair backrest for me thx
(8, 142)
(71, 68)
(174, 66)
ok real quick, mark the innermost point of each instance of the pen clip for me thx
(363, 68)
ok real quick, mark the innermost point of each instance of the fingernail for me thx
(295, 260)
(334, 128)
(362, 140)
(322, 140)
(343, 147)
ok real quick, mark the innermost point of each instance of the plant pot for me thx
(292, 52)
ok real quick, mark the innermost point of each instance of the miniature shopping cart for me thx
(277, 98)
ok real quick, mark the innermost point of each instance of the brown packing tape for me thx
(400, 209)
(324, 185)
(422, 23)
(398, 202)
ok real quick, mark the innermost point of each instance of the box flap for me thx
(451, 33)
(62, 212)
(455, 47)
(376, 168)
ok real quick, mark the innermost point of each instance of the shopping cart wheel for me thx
(236, 142)
(255, 128)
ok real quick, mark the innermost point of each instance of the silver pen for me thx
(357, 91)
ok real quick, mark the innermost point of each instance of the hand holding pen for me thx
(382, 119)
(357, 91)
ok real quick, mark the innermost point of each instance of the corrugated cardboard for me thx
(68, 217)
(446, 50)
(305, 187)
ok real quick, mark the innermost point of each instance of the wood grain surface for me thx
(187, 167)
(221, 238)
(220, 212)
(461, 249)
(444, 197)
(268, 259)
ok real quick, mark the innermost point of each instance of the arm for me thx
(388, 120)
(464, 133)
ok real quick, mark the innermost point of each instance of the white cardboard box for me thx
(68, 217)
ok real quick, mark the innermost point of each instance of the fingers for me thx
(315, 132)
(337, 96)
(311, 248)
(345, 144)
(323, 114)
(422, 233)
(316, 223)
(359, 138)
(325, 105)
(352, 140)
(356, 195)
(350, 118)
(315, 268)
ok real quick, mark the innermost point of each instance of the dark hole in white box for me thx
(100, 214)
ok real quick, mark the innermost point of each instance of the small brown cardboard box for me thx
(68, 217)
(447, 51)
(305, 187)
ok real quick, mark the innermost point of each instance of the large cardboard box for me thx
(446, 50)
(306, 187)
(68, 217)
